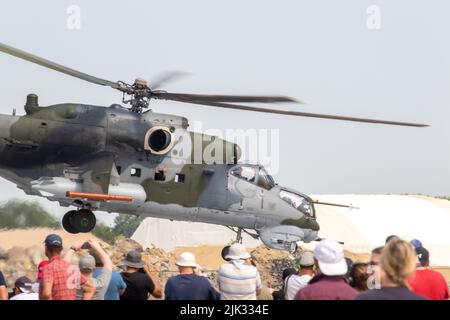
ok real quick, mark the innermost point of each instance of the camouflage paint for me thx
(89, 144)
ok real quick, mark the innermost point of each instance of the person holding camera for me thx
(86, 264)
(138, 279)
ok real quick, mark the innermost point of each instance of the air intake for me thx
(32, 104)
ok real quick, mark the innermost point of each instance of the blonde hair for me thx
(398, 260)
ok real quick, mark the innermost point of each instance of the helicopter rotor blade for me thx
(55, 66)
(221, 101)
(205, 98)
(288, 112)
(166, 77)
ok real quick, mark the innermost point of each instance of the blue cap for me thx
(53, 240)
(416, 243)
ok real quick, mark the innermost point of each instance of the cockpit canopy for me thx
(257, 175)
(254, 174)
(299, 202)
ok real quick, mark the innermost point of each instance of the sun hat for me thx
(133, 260)
(237, 252)
(186, 259)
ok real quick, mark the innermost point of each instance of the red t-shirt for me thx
(429, 283)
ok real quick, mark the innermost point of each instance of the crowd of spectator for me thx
(400, 270)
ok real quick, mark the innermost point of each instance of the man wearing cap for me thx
(416, 243)
(188, 285)
(59, 278)
(238, 279)
(138, 278)
(426, 281)
(300, 280)
(330, 282)
(86, 264)
(23, 290)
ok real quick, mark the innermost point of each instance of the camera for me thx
(86, 245)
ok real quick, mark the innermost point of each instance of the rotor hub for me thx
(140, 83)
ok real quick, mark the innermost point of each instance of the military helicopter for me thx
(131, 161)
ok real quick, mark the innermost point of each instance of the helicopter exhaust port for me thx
(159, 140)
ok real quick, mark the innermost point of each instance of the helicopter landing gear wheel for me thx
(79, 221)
(84, 221)
(67, 221)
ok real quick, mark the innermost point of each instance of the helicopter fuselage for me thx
(167, 171)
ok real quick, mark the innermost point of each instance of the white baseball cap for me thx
(186, 259)
(237, 251)
(330, 257)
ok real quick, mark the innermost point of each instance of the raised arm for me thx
(104, 257)
(74, 248)
(157, 293)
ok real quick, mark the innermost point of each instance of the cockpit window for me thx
(246, 173)
(298, 202)
(265, 180)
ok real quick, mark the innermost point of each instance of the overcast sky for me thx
(321, 52)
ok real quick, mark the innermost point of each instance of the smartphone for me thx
(86, 245)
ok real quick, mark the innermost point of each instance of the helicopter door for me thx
(264, 183)
(242, 181)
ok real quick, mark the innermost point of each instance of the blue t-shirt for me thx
(115, 284)
(190, 287)
(2, 280)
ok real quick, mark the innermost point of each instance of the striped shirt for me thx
(238, 281)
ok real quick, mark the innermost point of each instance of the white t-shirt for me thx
(294, 283)
(26, 296)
